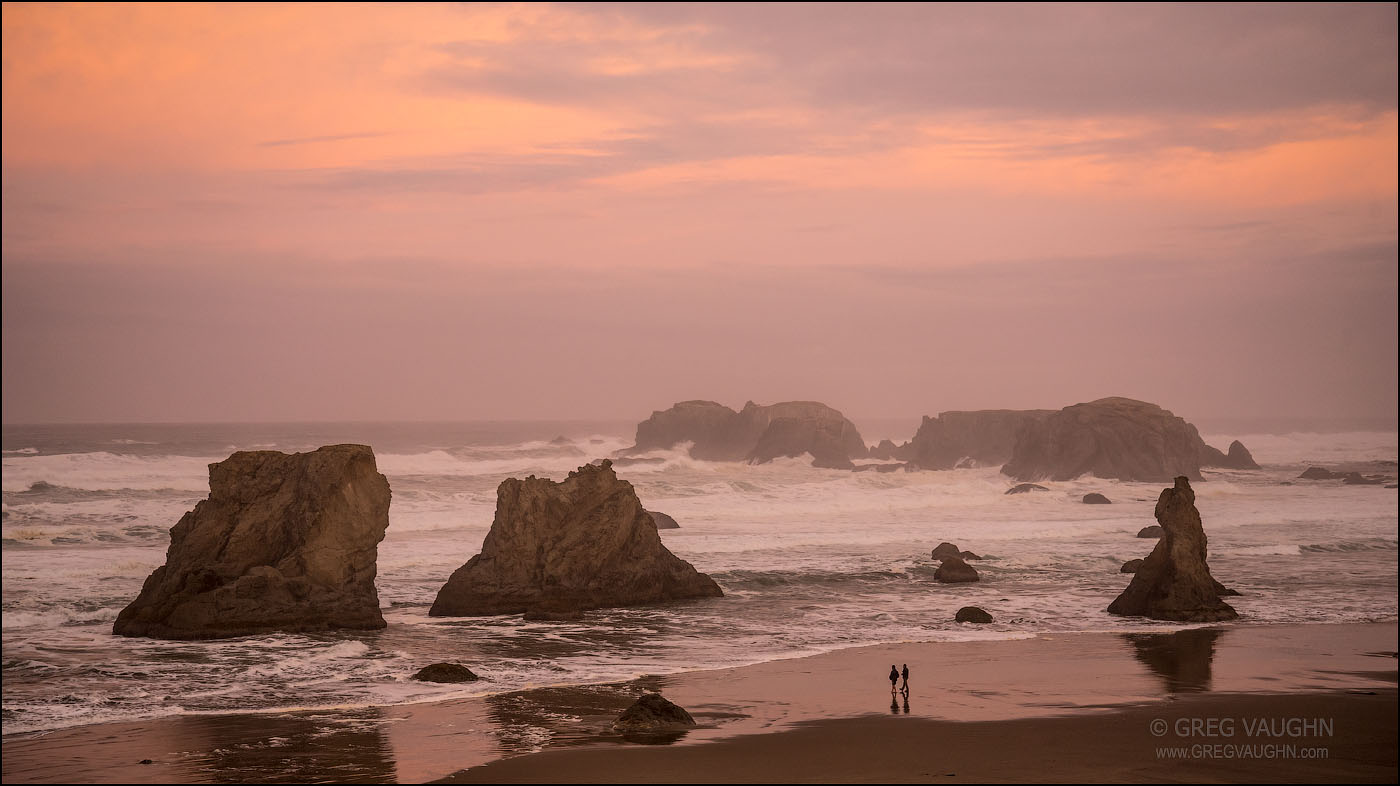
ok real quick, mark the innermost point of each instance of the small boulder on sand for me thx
(652, 712)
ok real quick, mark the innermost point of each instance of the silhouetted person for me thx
(905, 674)
(894, 677)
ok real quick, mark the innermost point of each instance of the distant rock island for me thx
(583, 543)
(283, 543)
(1112, 438)
(981, 438)
(756, 434)
(1115, 438)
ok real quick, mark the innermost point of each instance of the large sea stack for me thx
(583, 543)
(756, 434)
(984, 438)
(1174, 582)
(1115, 438)
(283, 543)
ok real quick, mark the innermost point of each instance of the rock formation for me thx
(756, 434)
(972, 614)
(1131, 566)
(283, 543)
(583, 543)
(984, 437)
(1112, 438)
(1239, 457)
(1357, 479)
(1174, 582)
(652, 712)
(1094, 498)
(945, 550)
(1025, 488)
(445, 672)
(968, 555)
(886, 450)
(1152, 531)
(955, 571)
(1319, 473)
(663, 521)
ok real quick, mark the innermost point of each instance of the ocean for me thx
(810, 560)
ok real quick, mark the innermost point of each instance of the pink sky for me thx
(241, 212)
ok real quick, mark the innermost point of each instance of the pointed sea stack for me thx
(284, 543)
(1174, 582)
(1239, 457)
(583, 543)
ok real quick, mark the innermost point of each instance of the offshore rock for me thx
(445, 672)
(663, 521)
(1131, 566)
(1112, 438)
(1319, 473)
(757, 434)
(983, 438)
(1095, 498)
(1025, 488)
(283, 543)
(1152, 531)
(1239, 457)
(1174, 582)
(972, 614)
(945, 550)
(955, 571)
(583, 543)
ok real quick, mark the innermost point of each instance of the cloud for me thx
(310, 140)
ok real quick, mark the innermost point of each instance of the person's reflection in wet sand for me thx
(1182, 659)
(906, 702)
(894, 705)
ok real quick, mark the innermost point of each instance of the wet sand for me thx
(1114, 747)
(1052, 707)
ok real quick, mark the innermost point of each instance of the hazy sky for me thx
(245, 212)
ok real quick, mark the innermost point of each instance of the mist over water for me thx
(810, 560)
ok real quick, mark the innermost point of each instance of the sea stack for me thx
(583, 543)
(981, 438)
(1112, 438)
(284, 543)
(757, 434)
(1174, 582)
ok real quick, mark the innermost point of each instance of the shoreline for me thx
(1045, 678)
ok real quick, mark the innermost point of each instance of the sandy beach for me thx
(1046, 708)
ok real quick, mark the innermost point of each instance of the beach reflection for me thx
(1181, 659)
(302, 748)
(527, 721)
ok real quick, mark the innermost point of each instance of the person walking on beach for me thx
(894, 677)
(905, 674)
